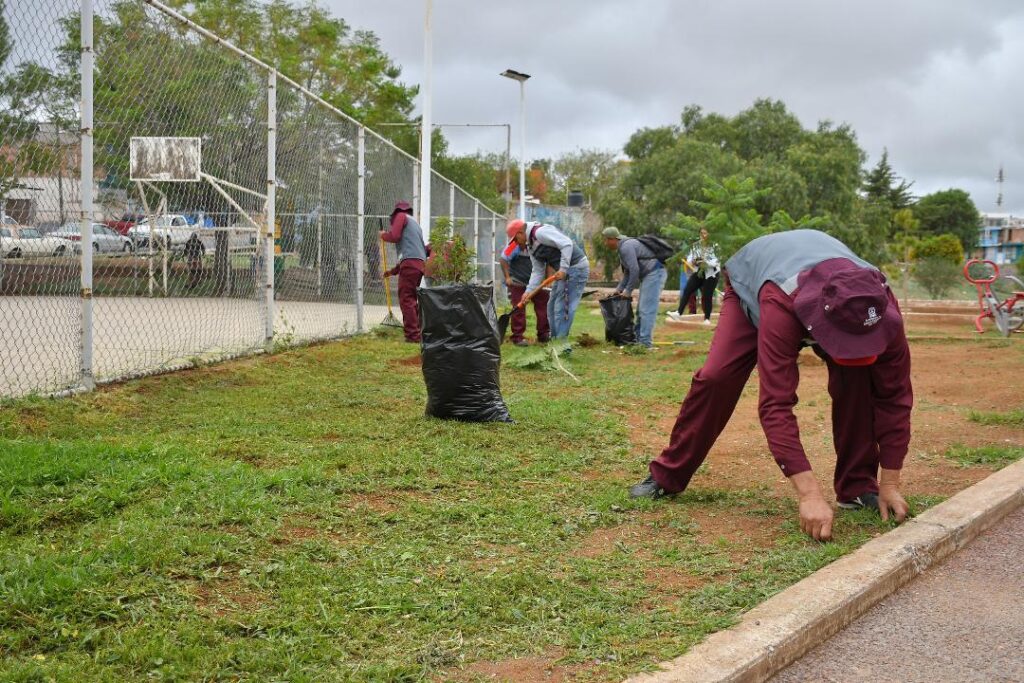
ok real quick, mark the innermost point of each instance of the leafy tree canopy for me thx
(949, 211)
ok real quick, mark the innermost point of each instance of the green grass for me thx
(995, 457)
(295, 517)
(1013, 418)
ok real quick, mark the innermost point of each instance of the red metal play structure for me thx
(1000, 298)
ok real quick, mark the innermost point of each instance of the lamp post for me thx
(522, 78)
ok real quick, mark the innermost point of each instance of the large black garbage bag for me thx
(618, 320)
(461, 353)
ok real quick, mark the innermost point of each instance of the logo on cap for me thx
(872, 318)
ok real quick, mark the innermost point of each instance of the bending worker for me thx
(785, 291)
(640, 268)
(548, 246)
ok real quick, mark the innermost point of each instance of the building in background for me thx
(1000, 238)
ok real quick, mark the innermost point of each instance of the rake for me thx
(389, 320)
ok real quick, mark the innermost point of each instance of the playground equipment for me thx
(1000, 298)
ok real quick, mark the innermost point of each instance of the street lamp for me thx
(522, 78)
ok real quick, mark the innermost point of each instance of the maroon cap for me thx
(401, 206)
(846, 308)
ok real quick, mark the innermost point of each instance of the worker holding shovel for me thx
(517, 267)
(549, 247)
(412, 255)
(786, 291)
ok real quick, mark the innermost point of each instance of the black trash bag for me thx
(618, 320)
(461, 353)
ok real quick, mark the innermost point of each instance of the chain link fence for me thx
(168, 200)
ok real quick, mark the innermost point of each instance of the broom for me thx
(390, 320)
(504, 318)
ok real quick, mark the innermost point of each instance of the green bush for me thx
(451, 259)
(937, 274)
(945, 246)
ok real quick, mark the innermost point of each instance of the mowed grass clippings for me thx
(295, 517)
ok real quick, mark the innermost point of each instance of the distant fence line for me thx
(273, 239)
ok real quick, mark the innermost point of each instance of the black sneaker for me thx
(648, 488)
(861, 502)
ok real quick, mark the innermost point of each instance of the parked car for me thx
(104, 240)
(17, 241)
(169, 231)
(125, 222)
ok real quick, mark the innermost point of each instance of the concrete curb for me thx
(785, 627)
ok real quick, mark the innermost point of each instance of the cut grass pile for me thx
(295, 517)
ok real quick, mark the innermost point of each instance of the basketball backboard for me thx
(166, 159)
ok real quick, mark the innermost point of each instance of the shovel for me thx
(390, 320)
(504, 318)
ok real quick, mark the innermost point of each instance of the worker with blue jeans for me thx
(548, 248)
(640, 268)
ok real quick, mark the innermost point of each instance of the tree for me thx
(944, 246)
(346, 67)
(591, 171)
(881, 184)
(949, 211)
(937, 275)
(728, 214)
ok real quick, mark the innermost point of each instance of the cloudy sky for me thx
(937, 82)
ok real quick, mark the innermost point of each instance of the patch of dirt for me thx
(536, 669)
(33, 421)
(381, 503)
(642, 529)
(666, 582)
(247, 451)
(228, 596)
(411, 361)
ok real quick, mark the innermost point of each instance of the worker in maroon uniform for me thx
(412, 255)
(786, 291)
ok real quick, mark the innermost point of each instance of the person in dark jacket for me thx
(412, 255)
(640, 268)
(786, 291)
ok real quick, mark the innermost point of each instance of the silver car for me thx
(104, 240)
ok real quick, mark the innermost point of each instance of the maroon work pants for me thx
(716, 389)
(540, 308)
(410, 274)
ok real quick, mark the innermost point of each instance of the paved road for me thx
(40, 335)
(960, 621)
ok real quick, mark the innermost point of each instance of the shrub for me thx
(451, 259)
(937, 274)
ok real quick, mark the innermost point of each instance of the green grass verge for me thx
(995, 457)
(295, 517)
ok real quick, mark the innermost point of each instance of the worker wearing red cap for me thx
(548, 247)
(785, 291)
(412, 256)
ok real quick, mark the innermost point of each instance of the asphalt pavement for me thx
(960, 621)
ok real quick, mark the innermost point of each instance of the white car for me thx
(104, 240)
(17, 241)
(169, 231)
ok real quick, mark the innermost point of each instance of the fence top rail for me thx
(210, 35)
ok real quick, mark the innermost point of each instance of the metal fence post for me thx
(87, 377)
(268, 237)
(494, 247)
(476, 240)
(451, 205)
(360, 225)
(416, 191)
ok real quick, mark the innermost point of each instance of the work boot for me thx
(648, 488)
(864, 500)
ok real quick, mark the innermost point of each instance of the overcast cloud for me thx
(936, 82)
